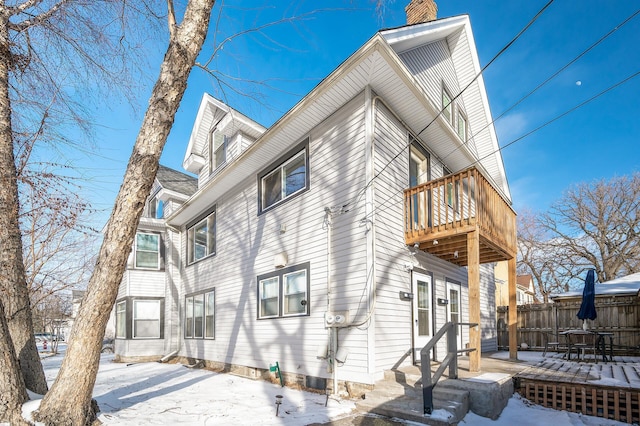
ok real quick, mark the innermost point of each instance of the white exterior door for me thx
(453, 308)
(422, 312)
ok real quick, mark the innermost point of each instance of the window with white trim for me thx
(147, 251)
(289, 177)
(155, 208)
(146, 319)
(284, 293)
(121, 320)
(218, 143)
(201, 238)
(200, 315)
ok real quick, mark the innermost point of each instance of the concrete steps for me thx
(399, 395)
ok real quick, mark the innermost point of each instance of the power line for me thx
(551, 77)
(540, 127)
(504, 49)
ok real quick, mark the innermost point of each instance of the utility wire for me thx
(551, 77)
(389, 200)
(504, 49)
(569, 111)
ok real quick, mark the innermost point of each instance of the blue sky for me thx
(597, 141)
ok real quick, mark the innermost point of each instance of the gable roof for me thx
(214, 114)
(376, 65)
(482, 146)
(627, 285)
(176, 181)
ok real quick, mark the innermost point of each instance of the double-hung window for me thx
(121, 319)
(284, 293)
(217, 149)
(146, 319)
(147, 253)
(155, 208)
(140, 318)
(202, 238)
(447, 106)
(461, 127)
(200, 315)
(286, 178)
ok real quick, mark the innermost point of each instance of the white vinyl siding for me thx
(247, 244)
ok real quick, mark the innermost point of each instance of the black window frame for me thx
(279, 163)
(280, 273)
(129, 307)
(135, 251)
(204, 336)
(191, 260)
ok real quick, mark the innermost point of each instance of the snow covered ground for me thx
(163, 394)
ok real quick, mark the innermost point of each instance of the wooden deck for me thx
(610, 390)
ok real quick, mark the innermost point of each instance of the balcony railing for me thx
(438, 215)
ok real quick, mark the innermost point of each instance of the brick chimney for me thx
(419, 11)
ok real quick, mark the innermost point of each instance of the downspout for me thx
(333, 335)
(170, 267)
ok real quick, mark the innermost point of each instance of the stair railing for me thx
(450, 361)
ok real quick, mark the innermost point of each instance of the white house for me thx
(340, 239)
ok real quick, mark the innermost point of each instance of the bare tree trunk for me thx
(77, 375)
(12, 390)
(13, 287)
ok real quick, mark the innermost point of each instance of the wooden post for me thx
(473, 250)
(513, 309)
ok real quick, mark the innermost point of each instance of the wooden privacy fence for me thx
(619, 315)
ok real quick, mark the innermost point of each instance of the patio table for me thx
(583, 339)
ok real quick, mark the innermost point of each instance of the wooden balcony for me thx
(439, 214)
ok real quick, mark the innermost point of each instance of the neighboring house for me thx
(525, 290)
(76, 300)
(338, 241)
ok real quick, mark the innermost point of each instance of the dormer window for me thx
(217, 149)
(155, 208)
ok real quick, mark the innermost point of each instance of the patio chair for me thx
(585, 343)
(550, 341)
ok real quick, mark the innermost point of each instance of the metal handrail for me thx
(450, 361)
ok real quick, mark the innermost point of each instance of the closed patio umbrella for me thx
(588, 305)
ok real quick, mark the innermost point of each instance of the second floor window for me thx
(217, 150)
(287, 179)
(202, 238)
(147, 251)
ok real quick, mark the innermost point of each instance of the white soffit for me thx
(374, 64)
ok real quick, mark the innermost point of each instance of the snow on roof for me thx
(629, 284)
